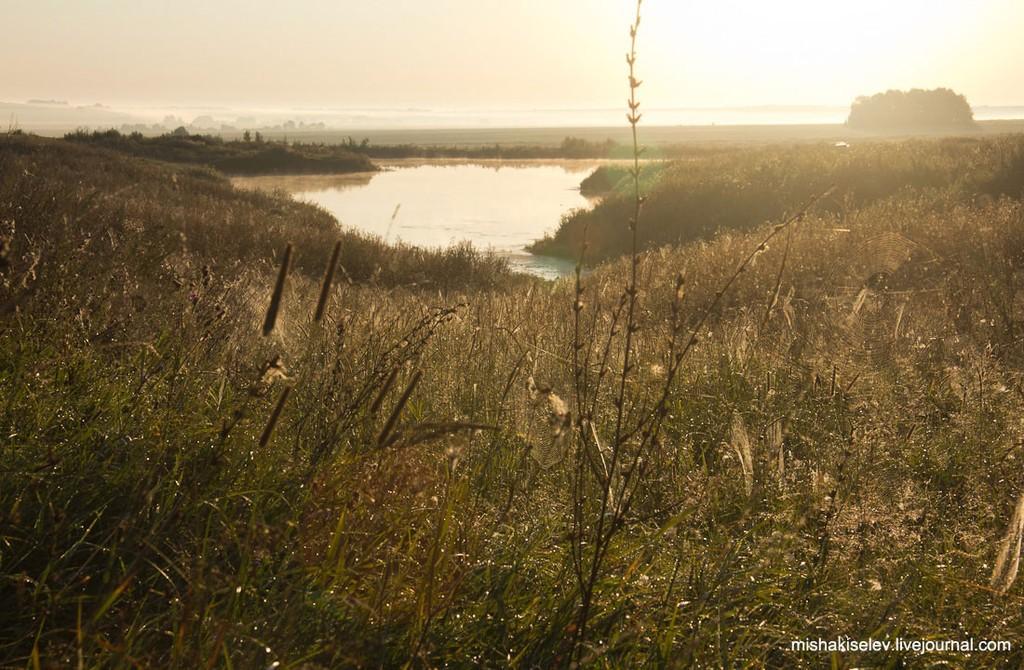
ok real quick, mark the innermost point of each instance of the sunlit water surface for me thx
(502, 206)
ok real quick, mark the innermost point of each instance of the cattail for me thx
(388, 383)
(274, 416)
(397, 411)
(325, 287)
(1008, 561)
(275, 299)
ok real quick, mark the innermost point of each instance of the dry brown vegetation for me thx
(836, 453)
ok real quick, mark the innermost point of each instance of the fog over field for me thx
(58, 117)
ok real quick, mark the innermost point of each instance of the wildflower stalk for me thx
(588, 576)
(637, 425)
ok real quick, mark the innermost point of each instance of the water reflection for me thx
(305, 183)
(494, 205)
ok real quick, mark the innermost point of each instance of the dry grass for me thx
(742, 188)
(358, 490)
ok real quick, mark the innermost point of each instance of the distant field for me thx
(652, 136)
(554, 135)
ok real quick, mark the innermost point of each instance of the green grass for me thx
(141, 523)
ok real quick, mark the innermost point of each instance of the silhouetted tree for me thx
(916, 108)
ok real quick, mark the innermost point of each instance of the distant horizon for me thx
(55, 115)
(277, 107)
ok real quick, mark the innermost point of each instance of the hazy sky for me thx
(505, 53)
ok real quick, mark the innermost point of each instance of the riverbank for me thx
(234, 157)
(740, 188)
(305, 151)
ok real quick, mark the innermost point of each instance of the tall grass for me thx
(797, 429)
(741, 188)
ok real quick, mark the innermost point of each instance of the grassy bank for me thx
(693, 199)
(240, 157)
(165, 224)
(346, 154)
(396, 482)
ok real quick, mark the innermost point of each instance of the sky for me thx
(505, 54)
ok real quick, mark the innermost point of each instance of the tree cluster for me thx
(917, 108)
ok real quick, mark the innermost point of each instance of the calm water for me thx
(501, 206)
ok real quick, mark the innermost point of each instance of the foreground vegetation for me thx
(406, 479)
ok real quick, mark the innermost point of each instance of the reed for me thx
(275, 298)
(275, 415)
(325, 285)
(396, 412)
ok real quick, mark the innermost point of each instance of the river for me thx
(496, 205)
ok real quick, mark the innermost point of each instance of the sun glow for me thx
(805, 51)
(528, 54)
